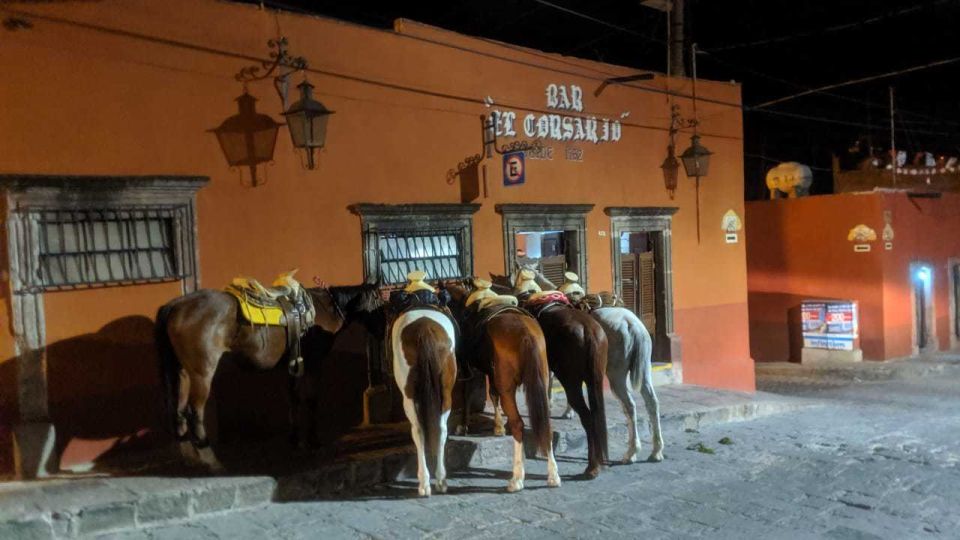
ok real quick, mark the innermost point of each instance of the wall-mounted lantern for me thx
(696, 159)
(307, 121)
(248, 137)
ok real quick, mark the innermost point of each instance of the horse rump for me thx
(429, 348)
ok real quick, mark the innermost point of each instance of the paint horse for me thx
(628, 361)
(196, 331)
(423, 341)
(506, 343)
(577, 354)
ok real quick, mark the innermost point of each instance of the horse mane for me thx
(349, 296)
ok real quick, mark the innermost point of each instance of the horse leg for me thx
(498, 428)
(464, 426)
(653, 411)
(199, 393)
(183, 425)
(574, 390)
(416, 432)
(568, 412)
(441, 466)
(619, 387)
(515, 422)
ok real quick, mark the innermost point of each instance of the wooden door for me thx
(638, 287)
(553, 268)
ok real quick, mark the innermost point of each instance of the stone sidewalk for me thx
(67, 507)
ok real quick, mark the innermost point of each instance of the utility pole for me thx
(675, 31)
(893, 142)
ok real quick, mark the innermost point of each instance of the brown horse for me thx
(509, 348)
(577, 352)
(196, 331)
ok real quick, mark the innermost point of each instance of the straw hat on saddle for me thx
(482, 290)
(417, 283)
(527, 282)
(571, 286)
(286, 280)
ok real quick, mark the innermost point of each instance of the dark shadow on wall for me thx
(106, 400)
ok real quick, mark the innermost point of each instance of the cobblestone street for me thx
(879, 460)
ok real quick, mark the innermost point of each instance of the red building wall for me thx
(132, 88)
(798, 249)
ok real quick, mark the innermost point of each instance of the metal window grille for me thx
(83, 248)
(438, 253)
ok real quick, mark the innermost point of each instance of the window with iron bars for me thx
(85, 248)
(438, 253)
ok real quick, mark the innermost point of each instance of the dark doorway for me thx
(638, 281)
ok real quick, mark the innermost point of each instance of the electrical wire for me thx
(831, 29)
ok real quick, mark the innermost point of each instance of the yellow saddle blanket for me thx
(260, 305)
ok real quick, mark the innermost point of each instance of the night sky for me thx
(775, 48)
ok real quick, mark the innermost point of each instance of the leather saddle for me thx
(287, 305)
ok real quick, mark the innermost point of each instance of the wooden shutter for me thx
(553, 268)
(628, 280)
(647, 292)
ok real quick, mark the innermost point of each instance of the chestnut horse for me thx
(195, 331)
(510, 349)
(577, 354)
(423, 342)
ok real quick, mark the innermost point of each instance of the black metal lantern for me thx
(307, 121)
(670, 166)
(696, 159)
(247, 138)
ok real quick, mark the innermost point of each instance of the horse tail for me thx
(169, 365)
(431, 353)
(596, 342)
(641, 350)
(533, 358)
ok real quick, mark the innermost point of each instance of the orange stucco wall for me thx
(112, 88)
(798, 249)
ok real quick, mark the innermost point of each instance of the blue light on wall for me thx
(923, 274)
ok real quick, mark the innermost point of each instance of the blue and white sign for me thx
(829, 325)
(513, 169)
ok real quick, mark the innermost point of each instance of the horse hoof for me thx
(567, 415)
(554, 481)
(592, 471)
(441, 486)
(656, 457)
(461, 430)
(499, 431)
(424, 491)
(630, 457)
(514, 486)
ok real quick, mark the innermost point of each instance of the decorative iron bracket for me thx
(280, 59)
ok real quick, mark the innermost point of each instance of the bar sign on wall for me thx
(513, 169)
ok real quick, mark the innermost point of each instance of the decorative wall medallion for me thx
(888, 226)
(862, 233)
(731, 222)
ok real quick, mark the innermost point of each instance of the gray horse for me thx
(629, 368)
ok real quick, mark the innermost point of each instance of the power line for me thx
(860, 80)
(830, 29)
(757, 108)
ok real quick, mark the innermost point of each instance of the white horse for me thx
(425, 368)
(629, 367)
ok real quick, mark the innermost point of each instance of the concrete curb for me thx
(834, 372)
(80, 508)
